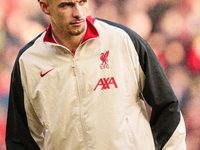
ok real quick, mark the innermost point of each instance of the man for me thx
(81, 85)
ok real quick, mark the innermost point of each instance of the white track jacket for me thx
(93, 100)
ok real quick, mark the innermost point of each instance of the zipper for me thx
(74, 67)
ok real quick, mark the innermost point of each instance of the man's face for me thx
(68, 16)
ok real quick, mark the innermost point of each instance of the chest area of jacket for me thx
(92, 72)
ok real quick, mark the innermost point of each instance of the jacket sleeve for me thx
(18, 136)
(166, 119)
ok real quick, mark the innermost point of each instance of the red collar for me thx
(91, 32)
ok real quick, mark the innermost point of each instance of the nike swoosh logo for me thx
(43, 74)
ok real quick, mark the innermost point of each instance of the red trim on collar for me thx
(91, 32)
(48, 36)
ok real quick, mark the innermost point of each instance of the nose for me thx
(77, 11)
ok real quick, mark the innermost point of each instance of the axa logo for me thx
(105, 83)
(104, 59)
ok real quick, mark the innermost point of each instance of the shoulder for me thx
(22, 51)
(140, 44)
(28, 46)
(137, 40)
(133, 35)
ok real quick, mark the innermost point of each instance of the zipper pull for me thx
(74, 67)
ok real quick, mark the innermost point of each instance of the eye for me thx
(82, 2)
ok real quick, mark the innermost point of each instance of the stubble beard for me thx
(76, 32)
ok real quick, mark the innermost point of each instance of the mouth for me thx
(77, 23)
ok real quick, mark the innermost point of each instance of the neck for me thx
(70, 42)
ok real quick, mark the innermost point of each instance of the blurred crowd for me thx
(171, 27)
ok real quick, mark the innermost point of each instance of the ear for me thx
(44, 6)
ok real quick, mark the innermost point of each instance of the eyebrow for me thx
(66, 3)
